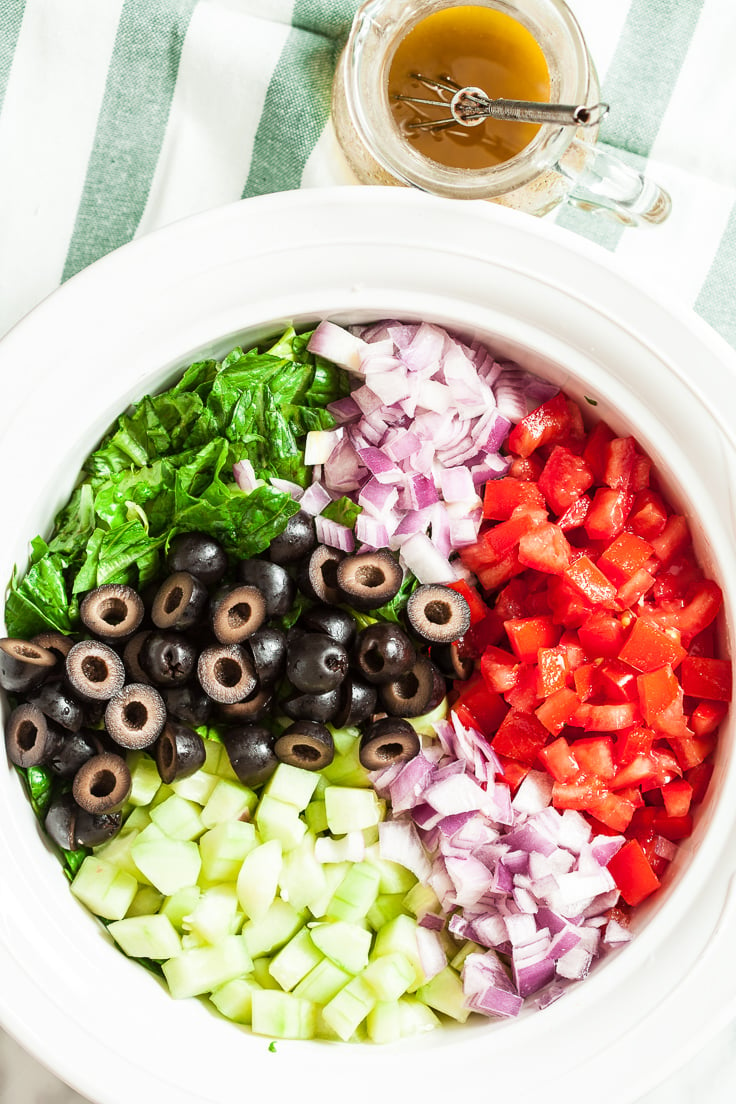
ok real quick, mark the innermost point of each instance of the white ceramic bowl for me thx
(126, 326)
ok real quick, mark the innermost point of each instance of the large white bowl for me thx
(126, 326)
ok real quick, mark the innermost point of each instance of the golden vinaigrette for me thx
(475, 46)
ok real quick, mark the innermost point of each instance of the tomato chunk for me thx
(548, 423)
(647, 648)
(706, 678)
(632, 873)
(564, 478)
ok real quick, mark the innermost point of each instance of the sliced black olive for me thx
(225, 672)
(24, 665)
(268, 648)
(168, 658)
(316, 663)
(135, 716)
(388, 740)
(305, 744)
(102, 784)
(237, 613)
(369, 579)
(188, 703)
(55, 642)
(295, 541)
(199, 554)
(30, 737)
(409, 695)
(450, 662)
(75, 749)
(132, 657)
(180, 602)
(273, 581)
(94, 670)
(60, 821)
(312, 707)
(439, 688)
(179, 752)
(438, 613)
(249, 748)
(112, 611)
(253, 708)
(336, 622)
(357, 702)
(92, 829)
(383, 651)
(58, 702)
(317, 576)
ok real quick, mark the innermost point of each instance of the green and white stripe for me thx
(121, 116)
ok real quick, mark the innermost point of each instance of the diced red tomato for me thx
(588, 580)
(552, 670)
(556, 710)
(608, 513)
(575, 514)
(648, 515)
(706, 717)
(648, 647)
(594, 755)
(674, 537)
(677, 796)
(499, 669)
(476, 605)
(520, 736)
(528, 634)
(632, 873)
(602, 634)
(625, 555)
(502, 496)
(620, 458)
(706, 678)
(595, 452)
(485, 708)
(514, 772)
(559, 760)
(564, 478)
(699, 778)
(545, 425)
(545, 548)
(611, 717)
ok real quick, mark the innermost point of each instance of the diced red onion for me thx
(371, 532)
(319, 445)
(333, 534)
(245, 476)
(425, 561)
(315, 499)
(344, 410)
(287, 487)
(338, 345)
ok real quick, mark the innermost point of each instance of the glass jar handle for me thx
(600, 180)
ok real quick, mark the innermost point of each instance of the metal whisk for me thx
(470, 106)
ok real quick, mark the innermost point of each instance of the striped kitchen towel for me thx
(121, 116)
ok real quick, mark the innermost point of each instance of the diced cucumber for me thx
(202, 969)
(213, 755)
(234, 999)
(468, 947)
(347, 848)
(389, 976)
(277, 820)
(355, 894)
(345, 739)
(180, 904)
(261, 973)
(345, 944)
(333, 875)
(150, 833)
(229, 800)
(350, 809)
(444, 992)
(384, 1022)
(302, 878)
(169, 864)
(137, 819)
(424, 725)
(316, 816)
(215, 915)
(395, 878)
(222, 850)
(282, 1015)
(161, 794)
(416, 1017)
(400, 935)
(146, 901)
(146, 936)
(349, 1008)
(323, 982)
(106, 890)
(178, 818)
(347, 770)
(258, 878)
(421, 899)
(385, 907)
(117, 852)
(144, 778)
(272, 930)
(196, 787)
(293, 785)
(295, 959)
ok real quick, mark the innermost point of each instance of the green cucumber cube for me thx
(347, 770)
(389, 976)
(178, 818)
(258, 878)
(347, 1010)
(444, 992)
(350, 809)
(347, 945)
(323, 982)
(272, 930)
(345, 738)
(136, 819)
(215, 915)
(180, 904)
(293, 785)
(416, 1017)
(278, 820)
(117, 852)
(150, 833)
(315, 815)
(197, 787)
(202, 969)
(302, 878)
(144, 779)
(261, 974)
(400, 935)
(424, 725)
(333, 875)
(385, 907)
(234, 999)
(467, 948)
(229, 800)
(162, 793)
(282, 1015)
(384, 1022)
(214, 751)
(146, 901)
(222, 850)
(106, 890)
(355, 894)
(169, 864)
(146, 936)
(395, 878)
(295, 959)
(421, 899)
